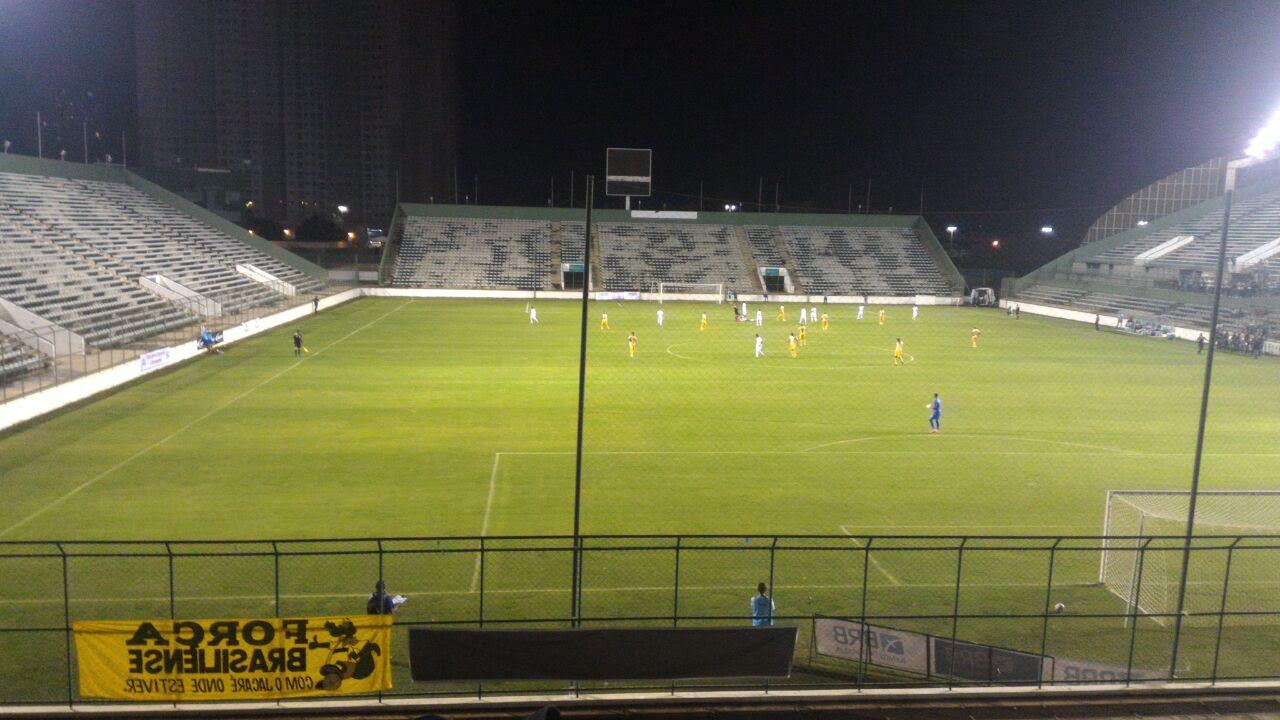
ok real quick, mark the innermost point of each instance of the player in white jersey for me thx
(915, 311)
(860, 309)
(813, 314)
(533, 315)
(661, 316)
(759, 318)
(744, 309)
(759, 346)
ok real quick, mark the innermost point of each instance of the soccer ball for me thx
(1059, 607)
(928, 406)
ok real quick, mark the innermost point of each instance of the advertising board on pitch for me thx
(878, 645)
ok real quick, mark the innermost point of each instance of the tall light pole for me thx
(1262, 147)
(951, 231)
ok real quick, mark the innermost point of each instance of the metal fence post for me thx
(675, 599)
(862, 635)
(275, 554)
(173, 614)
(955, 615)
(1048, 591)
(1222, 611)
(381, 577)
(773, 550)
(483, 557)
(1133, 613)
(66, 622)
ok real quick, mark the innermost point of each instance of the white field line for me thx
(1065, 443)
(872, 558)
(91, 481)
(488, 511)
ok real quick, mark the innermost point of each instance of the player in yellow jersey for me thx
(800, 332)
(826, 321)
(973, 337)
(881, 316)
(791, 344)
(604, 321)
(702, 324)
(782, 313)
(897, 353)
(631, 344)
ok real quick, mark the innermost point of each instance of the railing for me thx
(56, 368)
(991, 597)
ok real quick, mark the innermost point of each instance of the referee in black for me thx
(297, 343)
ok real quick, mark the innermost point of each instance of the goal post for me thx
(706, 292)
(1144, 535)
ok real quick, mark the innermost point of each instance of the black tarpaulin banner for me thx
(601, 654)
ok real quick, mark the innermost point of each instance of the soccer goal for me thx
(1142, 549)
(691, 291)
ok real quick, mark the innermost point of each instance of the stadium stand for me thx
(639, 256)
(523, 248)
(863, 261)
(474, 253)
(16, 358)
(88, 298)
(1164, 271)
(77, 243)
(120, 227)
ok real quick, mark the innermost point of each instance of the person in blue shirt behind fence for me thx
(762, 607)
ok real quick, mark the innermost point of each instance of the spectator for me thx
(762, 607)
(1200, 344)
(380, 603)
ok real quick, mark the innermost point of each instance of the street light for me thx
(343, 209)
(1046, 229)
(1142, 223)
(288, 232)
(1262, 147)
(995, 244)
(951, 230)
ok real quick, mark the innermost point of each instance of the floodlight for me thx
(342, 209)
(1046, 229)
(1264, 143)
(952, 228)
(1142, 223)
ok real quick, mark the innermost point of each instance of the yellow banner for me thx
(247, 659)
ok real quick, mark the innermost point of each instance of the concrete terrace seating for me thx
(636, 256)
(71, 291)
(119, 227)
(764, 247)
(1254, 221)
(570, 234)
(863, 261)
(16, 358)
(474, 253)
(1112, 303)
(1049, 295)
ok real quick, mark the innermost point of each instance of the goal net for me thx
(713, 292)
(1144, 538)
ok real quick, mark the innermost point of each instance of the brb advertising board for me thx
(883, 646)
(243, 659)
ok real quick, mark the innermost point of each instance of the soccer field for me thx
(457, 418)
(440, 417)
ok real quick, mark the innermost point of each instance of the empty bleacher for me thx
(863, 261)
(1254, 222)
(119, 227)
(474, 253)
(71, 291)
(636, 257)
(16, 358)
(764, 246)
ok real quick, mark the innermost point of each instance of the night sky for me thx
(1009, 115)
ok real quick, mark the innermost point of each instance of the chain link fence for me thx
(987, 608)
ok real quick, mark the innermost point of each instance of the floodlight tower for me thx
(1263, 147)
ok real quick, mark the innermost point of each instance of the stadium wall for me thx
(1109, 321)
(43, 402)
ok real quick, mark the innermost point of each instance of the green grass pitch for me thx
(457, 418)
